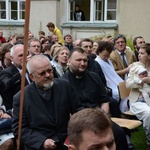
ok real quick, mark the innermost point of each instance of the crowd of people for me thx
(74, 80)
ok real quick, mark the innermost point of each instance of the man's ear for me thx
(11, 58)
(71, 147)
(31, 77)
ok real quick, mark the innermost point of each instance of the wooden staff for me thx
(26, 29)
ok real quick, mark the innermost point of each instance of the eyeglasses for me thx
(35, 46)
(43, 73)
(122, 42)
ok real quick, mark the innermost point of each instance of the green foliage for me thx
(130, 42)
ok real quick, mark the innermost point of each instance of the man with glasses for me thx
(121, 57)
(34, 47)
(47, 107)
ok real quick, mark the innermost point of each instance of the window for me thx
(94, 10)
(12, 10)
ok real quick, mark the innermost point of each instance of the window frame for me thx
(92, 12)
(8, 9)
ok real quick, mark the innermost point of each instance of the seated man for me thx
(87, 131)
(89, 90)
(46, 109)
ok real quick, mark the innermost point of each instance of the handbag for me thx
(5, 125)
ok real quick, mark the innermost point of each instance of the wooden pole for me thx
(26, 29)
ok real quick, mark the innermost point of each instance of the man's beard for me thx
(47, 86)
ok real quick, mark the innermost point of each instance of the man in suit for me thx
(11, 76)
(121, 57)
(46, 109)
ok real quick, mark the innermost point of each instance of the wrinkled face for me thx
(87, 46)
(42, 75)
(34, 48)
(63, 57)
(17, 57)
(120, 45)
(78, 63)
(139, 42)
(100, 141)
(68, 39)
(104, 55)
(143, 56)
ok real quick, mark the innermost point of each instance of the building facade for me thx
(102, 17)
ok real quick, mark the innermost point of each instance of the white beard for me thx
(47, 86)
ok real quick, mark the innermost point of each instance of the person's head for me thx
(30, 35)
(78, 61)
(68, 39)
(51, 26)
(5, 54)
(34, 46)
(120, 42)
(144, 53)
(40, 71)
(1, 33)
(16, 55)
(90, 129)
(13, 39)
(77, 7)
(61, 56)
(55, 38)
(137, 42)
(142, 72)
(95, 46)
(44, 43)
(41, 33)
(54, 49)
(87, 45)
(110, 39)
(47, 48)
(76, 43)
(104, 50)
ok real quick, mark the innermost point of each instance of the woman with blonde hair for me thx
(61, 59)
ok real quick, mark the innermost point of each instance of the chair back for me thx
(123, 90)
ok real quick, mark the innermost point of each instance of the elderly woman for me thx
(112, 78)
(138, 104)
(61, 59)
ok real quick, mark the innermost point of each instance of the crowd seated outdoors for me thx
(105, 62)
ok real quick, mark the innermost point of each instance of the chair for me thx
(123, 93)
(127, 123)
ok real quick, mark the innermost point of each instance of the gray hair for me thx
(33, 60)
(12, 50)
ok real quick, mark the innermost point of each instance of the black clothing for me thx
(88, 89)
(38, 122)
(136, 54)
(95, 67)
(70, 47)
(79, 15)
